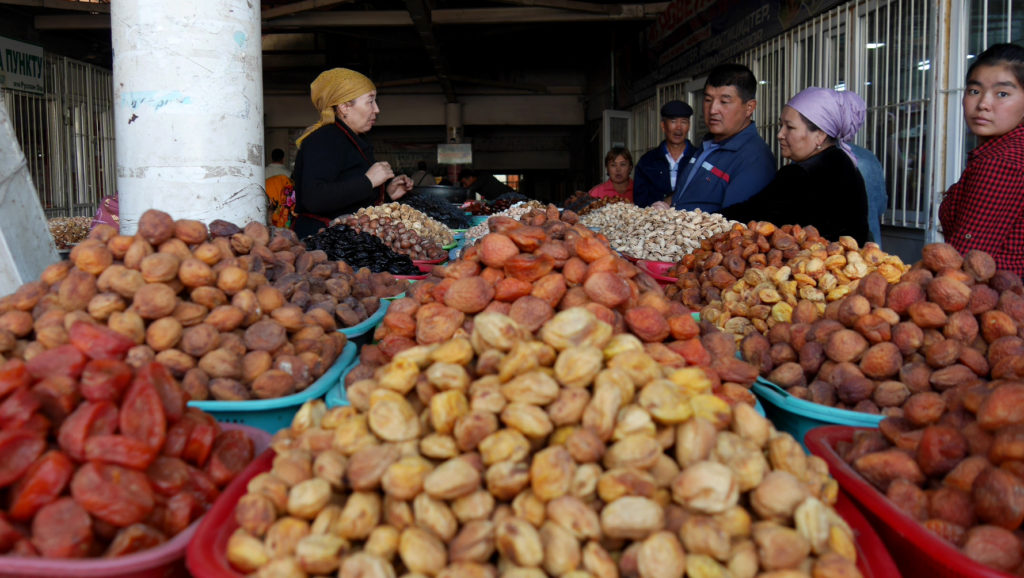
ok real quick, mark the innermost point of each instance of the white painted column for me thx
(188, 109)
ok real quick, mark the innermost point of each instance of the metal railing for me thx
(67, 136)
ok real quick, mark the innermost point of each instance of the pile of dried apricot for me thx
(752, 277)
(235, 313)
(950, 324)
(531, 269)
(957, 471)
(573, 453)
(98, 458)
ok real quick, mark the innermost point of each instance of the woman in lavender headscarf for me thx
(821, 186)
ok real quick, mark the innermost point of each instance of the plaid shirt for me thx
(985, 209)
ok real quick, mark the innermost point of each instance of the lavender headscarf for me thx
(839, 114)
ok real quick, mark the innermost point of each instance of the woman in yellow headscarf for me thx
(335, 172)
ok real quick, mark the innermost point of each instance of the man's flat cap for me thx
(676, 109)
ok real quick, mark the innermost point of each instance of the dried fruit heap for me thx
(532, 268)
(100, 459)
(235, 315)
(575, 452)
(957, 471)
(950, 324)
(752, 277)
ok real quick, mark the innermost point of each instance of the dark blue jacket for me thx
(874, 184)
(737, 169)
(651, 179)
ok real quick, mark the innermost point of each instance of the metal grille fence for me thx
(67, 136)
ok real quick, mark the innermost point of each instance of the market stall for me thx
(539, 404)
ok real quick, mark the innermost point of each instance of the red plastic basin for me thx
(916, 550)
(164, 561)
(206, 556)
(657, 269)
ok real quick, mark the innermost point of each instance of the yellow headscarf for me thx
(333, 87)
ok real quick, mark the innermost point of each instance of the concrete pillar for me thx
(188, 109)
(26, 247)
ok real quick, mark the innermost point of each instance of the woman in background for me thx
(984, 210)
(619, 164)
(821, 186)
(335, 171)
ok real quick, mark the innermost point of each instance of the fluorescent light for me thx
(970, 56)
(874, 45)
(867, 83)
(763, 82)
(924, 65)
(840, 87)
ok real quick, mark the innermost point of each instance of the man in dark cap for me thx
(656, 173)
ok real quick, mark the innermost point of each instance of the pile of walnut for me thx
(750, 278)
(951, 324)
(396, 236)
(530, 269)
(69, 231)
(417, 221)
(235, 314)
(575, 454)
(959, 474)
(654, 234)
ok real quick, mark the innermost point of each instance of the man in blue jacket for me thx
(656, 174)
(733, 163)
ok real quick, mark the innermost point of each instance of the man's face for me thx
(676, 129)
(725, 112)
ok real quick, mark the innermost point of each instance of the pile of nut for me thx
(919, 347)
(959, 473)
(396, 236)
(477, 207)
(530, 269)
(427, 228)
(750, 278)
(602, 202)
(236, 314)
(568, 455)
(577, 201)
(653, 234)
(68, 231)
(514, 212)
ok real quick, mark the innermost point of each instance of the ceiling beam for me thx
(389, 18)
(296, 7)
(72, 22)
(510, 15)
(572, 5)
(420, 14)
(62, 5)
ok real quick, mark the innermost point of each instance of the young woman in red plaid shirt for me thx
(985, 209)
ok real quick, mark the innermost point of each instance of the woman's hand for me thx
(661, 205)
(399, 186)
(379, 173)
